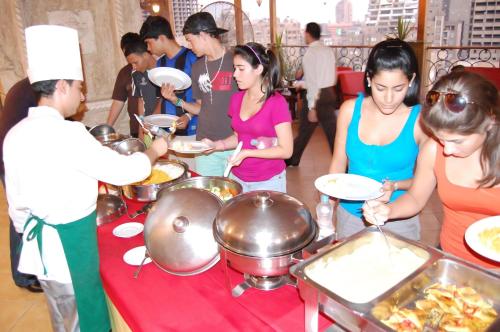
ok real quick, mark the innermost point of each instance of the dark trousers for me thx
(325, 109)
(20, 279)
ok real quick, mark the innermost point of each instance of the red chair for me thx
(490, 73)
(341, 69)
(351, 83)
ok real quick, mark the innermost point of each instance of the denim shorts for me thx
(212, 164)
(276, 183)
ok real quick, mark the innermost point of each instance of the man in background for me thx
(17, 102)
(122, 91)
(158, 36)
(320, 77)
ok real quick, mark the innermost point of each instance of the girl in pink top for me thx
(258, 111)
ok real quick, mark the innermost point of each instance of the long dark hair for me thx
(482, 112)
(256, 54)
(393, 54)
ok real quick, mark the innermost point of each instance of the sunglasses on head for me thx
(454, 101)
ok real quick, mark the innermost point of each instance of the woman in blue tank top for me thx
(379, 135)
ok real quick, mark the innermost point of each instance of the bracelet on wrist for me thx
(396, 186)
(188, 115)
(178, 102)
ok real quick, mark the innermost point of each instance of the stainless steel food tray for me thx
(358, 317)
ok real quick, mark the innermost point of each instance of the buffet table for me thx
(159, 301)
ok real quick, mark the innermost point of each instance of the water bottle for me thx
(263, 142)
(324, 215)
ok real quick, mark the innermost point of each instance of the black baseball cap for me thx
(201, 21)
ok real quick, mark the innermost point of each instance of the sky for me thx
(320, 11)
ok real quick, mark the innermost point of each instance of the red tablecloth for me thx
(159, 301)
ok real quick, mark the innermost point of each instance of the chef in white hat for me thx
(52, 167)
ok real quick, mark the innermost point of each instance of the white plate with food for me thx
(483, 237)
(166, 75)
(135, 256)
(189, 146)
(350, 187)
(160, 120)
(128, 229)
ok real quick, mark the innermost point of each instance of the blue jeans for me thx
(276, 183)
(212, 164)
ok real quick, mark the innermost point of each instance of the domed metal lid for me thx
(264, 224)
(178, 231)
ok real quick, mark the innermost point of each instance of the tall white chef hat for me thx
(53, 53)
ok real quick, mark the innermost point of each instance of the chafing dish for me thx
(259, 234)
(438, 267)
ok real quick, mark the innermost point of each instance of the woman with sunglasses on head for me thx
(261, 121)
(379, 136)
(461, 111)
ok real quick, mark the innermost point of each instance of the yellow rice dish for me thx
(490, 238)
(156, 177)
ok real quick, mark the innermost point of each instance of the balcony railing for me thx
(439, 60)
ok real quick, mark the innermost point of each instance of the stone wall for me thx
(100, 24)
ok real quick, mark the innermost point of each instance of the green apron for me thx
(79, 241)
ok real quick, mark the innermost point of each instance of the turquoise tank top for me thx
(394, 161)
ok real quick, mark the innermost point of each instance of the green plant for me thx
(280, 52)
(403, 29)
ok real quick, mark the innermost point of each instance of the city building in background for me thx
(343, 11)
(382, 17)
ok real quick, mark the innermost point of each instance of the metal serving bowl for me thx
(102, 129)
(129, 146)
(149, 192)
(207, 183)
(109, 208)
(110, 139)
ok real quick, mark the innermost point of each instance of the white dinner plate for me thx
(473, 240)
(135, 256)
(349, 186)
(128, 229)
(189, 146)
(165, 75)
(160, 120)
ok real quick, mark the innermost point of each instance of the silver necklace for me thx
(204, 81)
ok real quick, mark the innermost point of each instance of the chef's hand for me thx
(236, 160)
(167, 91)
(312, 116)
(182, 121)
(375, 212)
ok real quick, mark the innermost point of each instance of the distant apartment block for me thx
(382, 17)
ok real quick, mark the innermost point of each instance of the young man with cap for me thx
(122, 91)
(52, 167)
(138, 56)
(157, 34)
(213, 86)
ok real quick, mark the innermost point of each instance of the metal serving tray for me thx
(446, 270)
(359, 317)
(352, 316)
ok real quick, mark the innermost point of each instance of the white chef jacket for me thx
(319, 70)
(51, 171)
